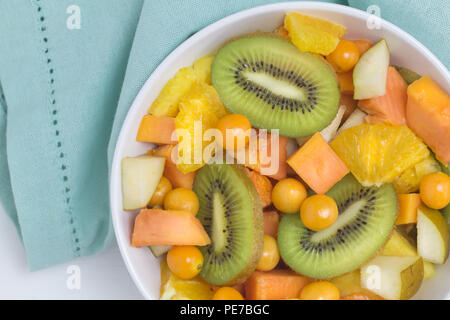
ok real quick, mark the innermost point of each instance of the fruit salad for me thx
(294, 164)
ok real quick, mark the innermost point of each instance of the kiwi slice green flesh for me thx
(275, 85)
(408, 75)
(366, 218)
(231, 213)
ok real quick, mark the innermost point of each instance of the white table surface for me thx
(102, 276)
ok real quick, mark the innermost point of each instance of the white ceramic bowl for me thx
(405, 51)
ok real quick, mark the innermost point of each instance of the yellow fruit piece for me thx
(166, 104)
(175, 288)
(377, 153)
(311, 34)
(202, 68)
(409, 180)
(199, 110)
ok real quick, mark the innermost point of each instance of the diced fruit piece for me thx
(227, 293)
(432, 235)
(391, 107)
(185, 261)
(409, 180)
(370, 73)
(435, 190)
(255, 158)
(164, 186)
(164, 227)
(318, 165)
(428, 270)
(156, 130)
(158, 251)
(175, 288)
(274, 285)
(408, 75)
(270, 255)
(393, 278)
(263, 187)
(166, 104)
(288, 195)
(346, 82)
(408, 204)
(329, 133)
(202, 68)
(235, 130)
(311, 34)
(200, 110)
(175, 176)
(320, 290)
(428, 115)
(399, 246)
(181, 199)
(318, 212)
(344, 57)
(376, 153)
(140, 177)
(271, 222)
(349, 286)
(355, 119)
(363, 45)
(350, 105)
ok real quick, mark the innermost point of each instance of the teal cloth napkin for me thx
(66, 90)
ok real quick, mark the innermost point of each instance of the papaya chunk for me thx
(168, 227)
(156, 130)
(428, 115)
(318, 165)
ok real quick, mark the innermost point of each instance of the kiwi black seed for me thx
(231, 213)
(275, 85)
(366, 218)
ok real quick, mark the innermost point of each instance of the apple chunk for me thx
(432, 235)
(140, 177)
(370, 73)
(393, 278)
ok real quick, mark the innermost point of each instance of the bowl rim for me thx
(212, 28)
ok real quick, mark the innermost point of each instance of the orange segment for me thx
(311, 34)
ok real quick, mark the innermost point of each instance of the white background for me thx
(103, 276)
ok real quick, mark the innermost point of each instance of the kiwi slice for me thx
(366, 219)
(275, 85)
(231, 213)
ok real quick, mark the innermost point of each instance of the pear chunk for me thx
(370, 73)
(432, 235)
(393, 278)
(140, 177)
